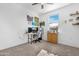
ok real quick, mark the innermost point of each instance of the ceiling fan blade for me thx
(35, 3)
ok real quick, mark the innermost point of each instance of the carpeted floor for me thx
(35, 48)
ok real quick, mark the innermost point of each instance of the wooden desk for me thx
(30, 37)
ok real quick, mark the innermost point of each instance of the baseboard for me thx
(68, 45)
(14, 45)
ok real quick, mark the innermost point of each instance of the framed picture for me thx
(54, 18)
(29, 18)
(36, 21)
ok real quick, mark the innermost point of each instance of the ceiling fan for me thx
(42, 4)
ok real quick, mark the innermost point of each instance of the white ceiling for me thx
(47, 7)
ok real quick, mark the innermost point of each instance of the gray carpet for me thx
(35, 48)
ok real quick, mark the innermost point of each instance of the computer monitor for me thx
(29, 29)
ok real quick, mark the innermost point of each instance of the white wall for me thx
(69, 34)
(13, 25)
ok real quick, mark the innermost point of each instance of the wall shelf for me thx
(75, 23)
(74, 14)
